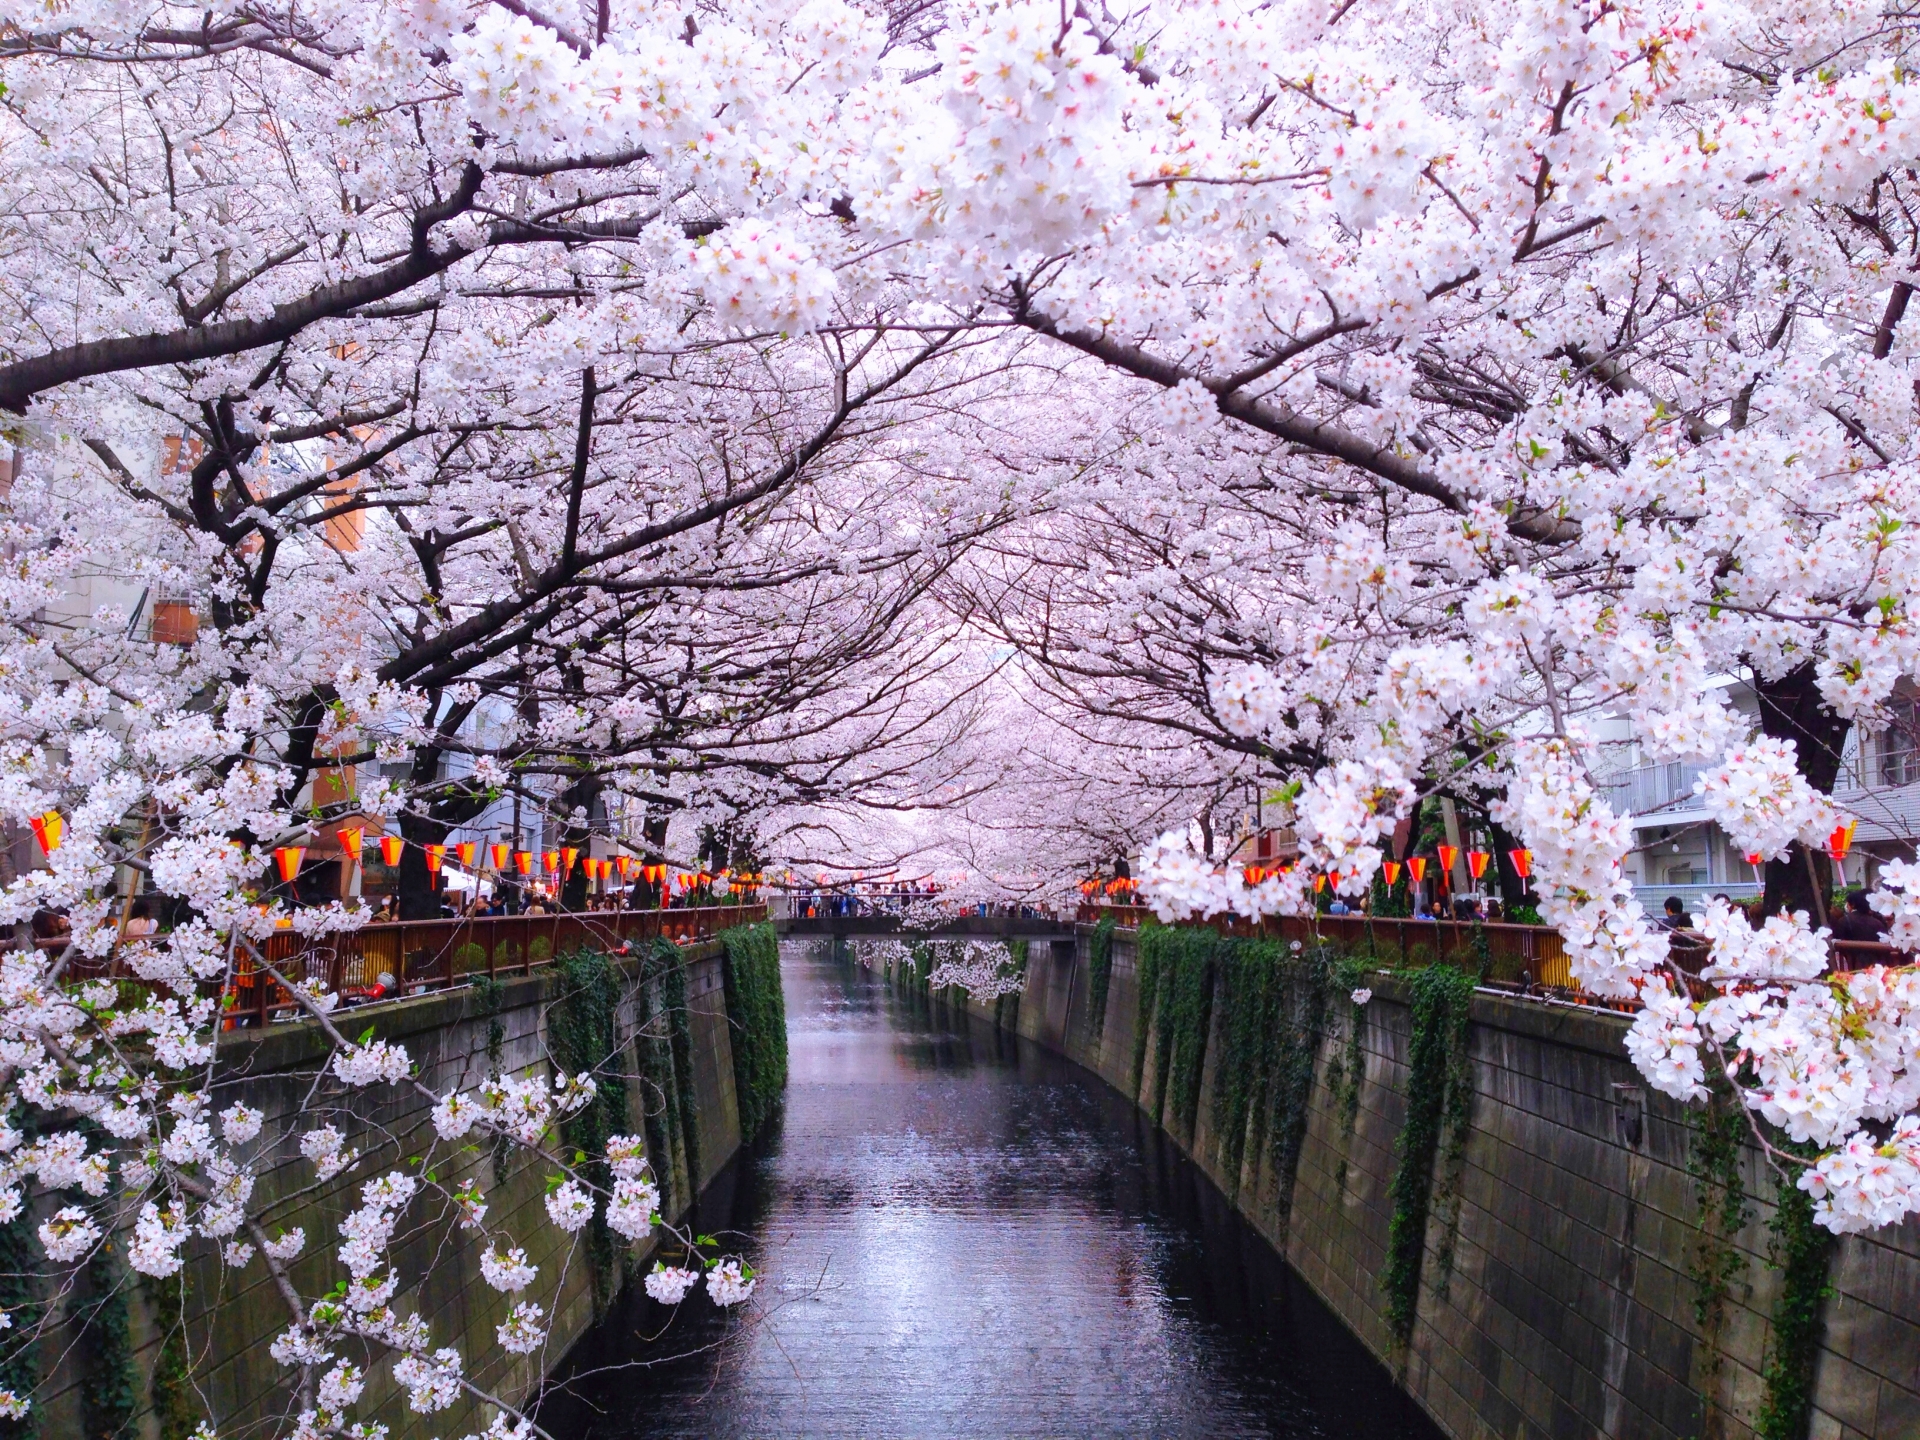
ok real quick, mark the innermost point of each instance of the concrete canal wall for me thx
(1558, 1284)
(456, 1038)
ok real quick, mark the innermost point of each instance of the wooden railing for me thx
(1523, 955)
(420, 955)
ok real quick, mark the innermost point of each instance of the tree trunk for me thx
(419, 891)
(1791, 708)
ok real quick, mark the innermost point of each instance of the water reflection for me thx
(964, 1235)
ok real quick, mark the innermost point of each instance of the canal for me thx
(964, 1235)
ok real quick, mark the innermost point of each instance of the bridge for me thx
(945, 927)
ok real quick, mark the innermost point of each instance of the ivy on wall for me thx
(583, 1035)
(1300, 1024)
(110, 1391)
(1440, 999)
(757, 1012)
(1180, 962)
(170, 1386)
(1801, 1251)
(672, 972)
(1099, 975)
(1715, 1263)
(1348, 1069)
(19, 1297)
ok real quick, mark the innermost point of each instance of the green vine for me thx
(1348, 1069)
(1180, 961)
(170, 1386)
(1715, 1263)
(583, 1036)
(1440, 999)
(673, 996)
(1250, 985)
(19, 1345)
(1300, 1021)
(757, 1013)
(655, 1047)
(492, 995)
(1801, 1251)
(110, 1392)
(1099, 975)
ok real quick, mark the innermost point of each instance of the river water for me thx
(961, 1234)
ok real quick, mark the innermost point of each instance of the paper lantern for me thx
(349, 843)
(1448, 854)
(1752, 857)
(1391, 869)
(624, 864)
(1319, 883)
(550, 860)
(1841, 840)
(1087, 887)
(1417, 867)
(523, 862)
(1522, 863)
(390, 848)
(568, 854)
(47, 829)
(1255, 874)
(288, 858)
(499, 855)
(436, 854)
(466, 850)
(1477, 863)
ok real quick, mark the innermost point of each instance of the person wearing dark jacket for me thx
(1858, 922)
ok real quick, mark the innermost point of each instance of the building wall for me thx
(1569, 1307)
(447, 1035)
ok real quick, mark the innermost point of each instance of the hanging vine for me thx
(1099, 975)
(1715, 1263)
(1440, 999)
(1348, 1069)
(170, 1386)
(1801, 1251)
(583, 1036)
(1250, 981)
(1181, 966)
(109, 1393)
(1301, 1016)
(20, 1298)
(757, 1013)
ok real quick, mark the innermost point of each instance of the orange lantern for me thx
(1753, 857)
(568, 854)
(1417, 867)
(1841, 840)
(390, 848)
(1448, 854)
(288, 858)
(349, 843)
(1522, 863)
(1391, 869)
(499, 854)
(47, 829)
(595, 868)
(624, 864)
(1477, 863)
(1319, 883)
(467, 849)
(436, 854)
(523, 862)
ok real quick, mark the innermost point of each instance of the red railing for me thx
(1533, 955)
(422, 955)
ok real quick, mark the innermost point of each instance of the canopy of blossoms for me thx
(1060, 418)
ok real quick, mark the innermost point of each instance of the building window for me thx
(1900, 745)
